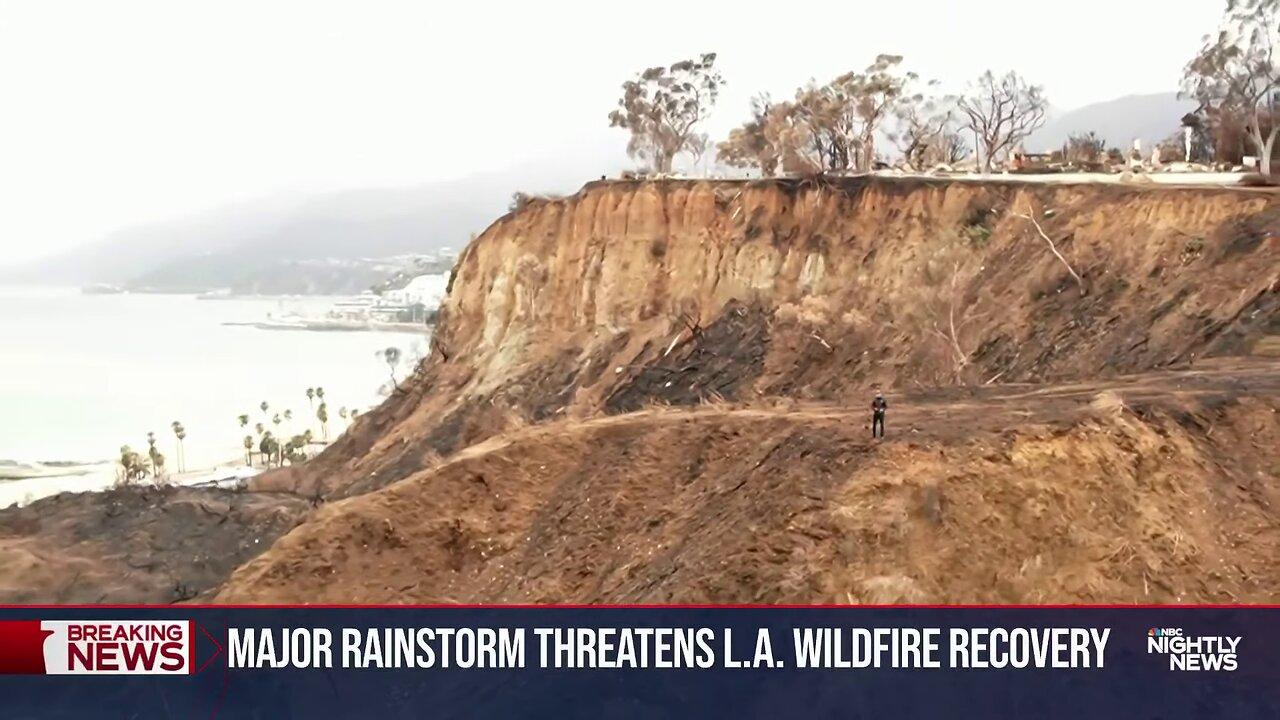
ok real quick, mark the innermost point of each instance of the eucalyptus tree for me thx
(1236, 79)
(663, 106)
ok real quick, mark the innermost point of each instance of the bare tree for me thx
(926, 133)
(940, 306)
(951, 147)
(1235, 78)
(948, 327)
(918, 129)
(663, 106)
(1001, 113)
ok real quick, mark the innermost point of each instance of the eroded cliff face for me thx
(632, 293)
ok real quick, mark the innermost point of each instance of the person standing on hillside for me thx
(878, 408)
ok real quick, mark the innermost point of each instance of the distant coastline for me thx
(20, 470)
(217, 276)
(326, 325)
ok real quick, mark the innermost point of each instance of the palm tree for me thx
(126, 453)
(311, 394)
(182, 436)
(320, 394)
(288, 417)
(157, 459)
(354, 413)
(248, 450)
(267, 447)
(132, 465)
(264, 407)
(323, 416)
(180, 432)
(259, 428)
(392, 356)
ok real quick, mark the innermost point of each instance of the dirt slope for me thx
(1156, 488)
(135, 545)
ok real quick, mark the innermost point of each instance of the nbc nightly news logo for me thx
(1203, 652)
(100, 647)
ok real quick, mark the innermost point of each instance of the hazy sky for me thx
(117, 112)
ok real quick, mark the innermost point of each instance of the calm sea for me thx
(81, 375)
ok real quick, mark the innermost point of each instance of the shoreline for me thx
(326, 325)
(97, 477)
(26, 470)
(66, 425)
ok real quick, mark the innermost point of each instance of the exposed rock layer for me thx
(672, 292)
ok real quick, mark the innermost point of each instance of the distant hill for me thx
(283, 251)
(1151, 118)
(262, 244)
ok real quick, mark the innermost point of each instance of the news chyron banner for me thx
(641, 662)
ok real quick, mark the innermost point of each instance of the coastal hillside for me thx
(656, 391)
(676, 292)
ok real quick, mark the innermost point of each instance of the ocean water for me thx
(81, 375)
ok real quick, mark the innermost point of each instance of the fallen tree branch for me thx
(694, 326)
(1052, 247)
(672, 346)
(951, 336)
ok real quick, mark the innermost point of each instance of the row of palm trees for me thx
(135, 466)
(294, 450)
